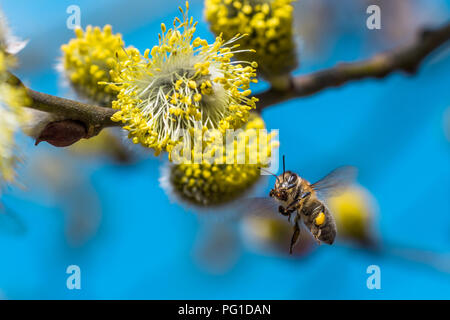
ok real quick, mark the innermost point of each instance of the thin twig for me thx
(405, 59)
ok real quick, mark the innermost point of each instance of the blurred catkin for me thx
(12, 99)
(354, 214)
(268, 26)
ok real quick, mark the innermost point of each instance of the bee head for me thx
(285, 183)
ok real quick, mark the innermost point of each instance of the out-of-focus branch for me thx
(405, 59)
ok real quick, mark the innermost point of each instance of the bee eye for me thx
(292, 179)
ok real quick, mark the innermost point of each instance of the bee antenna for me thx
(268, 172)
(284, 167)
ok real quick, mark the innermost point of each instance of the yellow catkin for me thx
(88, 59)
(268, 25)
(181, 83)
(215, 184)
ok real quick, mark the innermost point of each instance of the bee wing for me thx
(259, 206)
(335, 182)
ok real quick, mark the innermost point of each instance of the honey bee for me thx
(297, 196)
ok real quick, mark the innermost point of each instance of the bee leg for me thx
(293, 204)
(292, 207)
(285, 212)
(317, 236)
(317, 225)
(295, 236)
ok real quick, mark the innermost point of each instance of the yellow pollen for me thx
(320, 219)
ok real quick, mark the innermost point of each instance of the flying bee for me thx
(297, 196)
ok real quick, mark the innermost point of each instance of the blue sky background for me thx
(131, 242)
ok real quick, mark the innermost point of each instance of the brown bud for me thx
(62, 133)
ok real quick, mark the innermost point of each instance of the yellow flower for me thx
(88, 59)
(217, 183)
(179, 83)
(12, 99)
(269, 26)
(353, 211)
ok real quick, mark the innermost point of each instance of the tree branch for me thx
(405, 59)
(94, 117)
